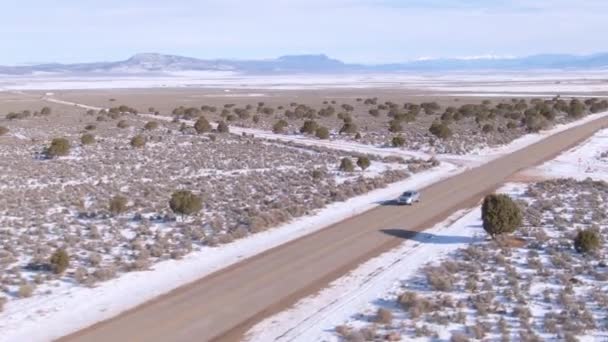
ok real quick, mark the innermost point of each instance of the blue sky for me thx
(363, 31)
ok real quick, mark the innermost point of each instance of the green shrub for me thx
(576, 109)
(185, 203)
(309, 127)
(202, 125)
(87, 139)
(60, 261)
(117, 205)
(440, 130)
(59, 147)
(349, 128)
(394, 126)
(222, 127)
(447, 117)
(279, 126)
(535, 123)
(346, 165)
(587, 241)
(268, 110)
(122, 124)
(363, 163)
(138, 141)
(90, 127)
(151, 125)
(500, 215)
(398, 141)
(322, 132)
(45, 111)
(487, 128)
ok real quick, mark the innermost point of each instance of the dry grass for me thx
(247, 185)
(539, 288)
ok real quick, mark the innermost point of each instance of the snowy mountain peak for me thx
(315, 58)
(157, 61)
(146, 56)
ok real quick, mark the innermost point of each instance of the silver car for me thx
(409, 197)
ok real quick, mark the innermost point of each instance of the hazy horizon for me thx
(472, 58)
(354, 31)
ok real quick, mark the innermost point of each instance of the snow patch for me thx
(69, 308)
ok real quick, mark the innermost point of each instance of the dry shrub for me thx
(138, 141)
(343, 330)
(59, 261)
(570, 337)
(104, 273)
(384, 316)
(478, 330)
(503, 327)
(460, 317)
(368, 333)
(550, 325)
(87, 139)
(459, 336)
(25, 290)
(471, 284)
(3, 301)
(415, 305)
(59, 147)
(423, 331)
(354, 336)
(522, 312)
(439, 278)
(437, 318)
(151, 125)
(117, 205)
(80, 275)
(587, 241)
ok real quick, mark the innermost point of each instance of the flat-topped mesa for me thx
(320, 63)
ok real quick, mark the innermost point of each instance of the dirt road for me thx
(224, 305)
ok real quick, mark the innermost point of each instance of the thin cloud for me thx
(363, 31)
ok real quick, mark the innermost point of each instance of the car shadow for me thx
(392, 202)
(427, 237)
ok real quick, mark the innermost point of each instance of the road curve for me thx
(224, 305)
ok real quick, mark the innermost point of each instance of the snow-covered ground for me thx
(474, 158)
(314, 318)
(361, 291)
(536, 87)
(482, 155)
(541, 288)
(301, 139)
(512, 95)
(588, 160)
(556, 81)
(69, 307)
(341, 145)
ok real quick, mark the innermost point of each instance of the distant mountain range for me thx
(154, 63)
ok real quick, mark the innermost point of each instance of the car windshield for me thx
(408, 193)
